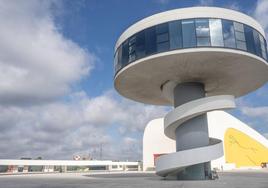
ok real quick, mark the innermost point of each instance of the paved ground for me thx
(131, 180)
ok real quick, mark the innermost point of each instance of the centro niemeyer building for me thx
(198, 60)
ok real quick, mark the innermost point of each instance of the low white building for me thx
(15, 166)
(243, 146)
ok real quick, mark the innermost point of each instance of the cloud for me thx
(206, 2)
(37, 63)
(233, 6)
(163, 2)
(131, 146)
(261, 13)
(256, 112)
(253, 112)
(130, 115)
(40, 112)
(59, 130)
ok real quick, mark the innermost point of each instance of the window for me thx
(125, 55)
(257, 42)
(119, 58)
(228, 34)
(216, 36)
(116, 61)
(202, 32)
(238, 27)
(263, 47)
(140, 45)
(188, 33)
(241, 45)
(150, 40)
(240, 36)
(175, 35)
(131, 49)
(162, 37)
(249, 39)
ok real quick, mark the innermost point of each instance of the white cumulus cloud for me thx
(37, 64)
(206, 2)
(79, 126)
(261, 13)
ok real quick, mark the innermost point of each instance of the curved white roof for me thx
(155, 141)
(186, 13)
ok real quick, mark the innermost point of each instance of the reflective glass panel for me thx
(257, 42)
(132, 47)
(249, 39)
(132, 40)
(132, 57)
(175, 35)
(119, 58)
(164, 46)
(238, 27)
(202, 27)
(140, 45)
(203, 41)
(264, 54)
(228, 34)
(162, 28)
(125, 52)
(263, 46)
(150, 37)
(162, 37)
(240, 36)
(116, 61)
(188, 33)
(261, 38)
(202, 32)
(241, 45)
(216, 36)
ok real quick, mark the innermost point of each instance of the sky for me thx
(56, 78)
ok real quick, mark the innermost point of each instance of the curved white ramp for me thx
(171, 164)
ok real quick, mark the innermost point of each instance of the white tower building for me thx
(197, 60)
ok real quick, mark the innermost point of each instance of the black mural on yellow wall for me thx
(242, 150)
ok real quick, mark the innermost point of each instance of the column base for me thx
(200, 171)
(195, 172)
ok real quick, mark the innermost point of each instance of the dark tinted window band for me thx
(190, 33)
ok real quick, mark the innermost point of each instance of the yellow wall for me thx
(243, 150)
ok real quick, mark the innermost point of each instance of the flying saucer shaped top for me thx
(224, 49)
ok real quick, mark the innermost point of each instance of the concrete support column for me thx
(14, 169)
(192, 133)
(45, 168)
(25, 168)
(63, 169)
(140, 166)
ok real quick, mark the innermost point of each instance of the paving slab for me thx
(131, 180)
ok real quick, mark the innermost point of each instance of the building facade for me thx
(198, 60)
(45, 166)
